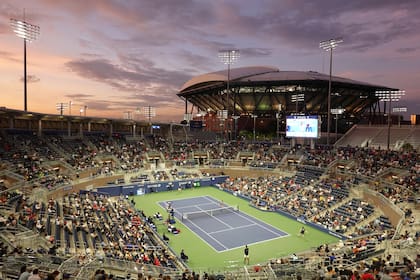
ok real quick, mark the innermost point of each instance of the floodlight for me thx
(229, 57)
(389, 96)
(329, 45)
(28, 32)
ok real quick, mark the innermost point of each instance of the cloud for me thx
(256, 52)
(136, 74)
(9, 56)
(408, 50)
(140, 83)
(144, 51)
(79, 96)
(363, 24)
(30, 79)
(99, 105)
(132, 103)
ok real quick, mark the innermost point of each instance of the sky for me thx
(116, 56)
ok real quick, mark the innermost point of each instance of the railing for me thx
(5, 208)
(12, 266)
(88, 269)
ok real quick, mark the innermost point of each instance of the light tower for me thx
(61, 107)
(329, 45)
(337, 112)
(229, 57)
(149, 112)
(28, 32)
(83, 110)
(389, 96)
(296, 98)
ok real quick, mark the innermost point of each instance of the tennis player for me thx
(246, 255)
(302, 231)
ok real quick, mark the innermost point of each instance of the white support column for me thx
(39, 128)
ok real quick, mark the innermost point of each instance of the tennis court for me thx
(223, 227)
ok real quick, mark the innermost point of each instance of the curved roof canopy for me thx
(222, 76)
(263, 89)
(264, 73)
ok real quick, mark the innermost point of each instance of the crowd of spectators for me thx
(310, 201)
(370, 162)
(88, 222)
(91, 225)
(179, 175)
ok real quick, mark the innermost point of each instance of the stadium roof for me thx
(263, 90)
(265, 74)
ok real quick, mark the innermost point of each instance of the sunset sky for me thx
(116, 56)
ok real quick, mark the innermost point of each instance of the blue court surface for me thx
(223, 229)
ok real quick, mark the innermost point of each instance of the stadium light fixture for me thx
(399, 110)
(137, 112)
(329, 45)
(149, 113)
(29, 33)
(389, 96)
(83, 110)
(127, 115)
(229, 57)
(337, 112)
(296, 98)
(61, 107)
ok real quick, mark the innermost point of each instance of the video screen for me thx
(302, 126)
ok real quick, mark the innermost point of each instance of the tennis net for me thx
(210, 212)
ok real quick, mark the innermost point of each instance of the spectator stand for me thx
(357, 162)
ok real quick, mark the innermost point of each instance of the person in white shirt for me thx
(34, 275)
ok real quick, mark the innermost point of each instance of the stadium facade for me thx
(267, 93)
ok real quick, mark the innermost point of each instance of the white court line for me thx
(217, 219)
(205, 233)
(261, 226)
(211, 200)
(252, 221)
(195, 205)
(258, 242)
(232, 228)
(165, 202)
